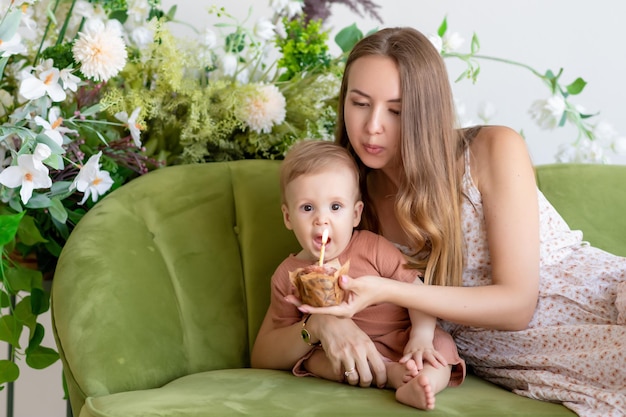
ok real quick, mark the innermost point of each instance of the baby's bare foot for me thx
(417, 393)
(400, 373)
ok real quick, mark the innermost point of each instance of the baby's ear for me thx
(286, 220)
(358, 211)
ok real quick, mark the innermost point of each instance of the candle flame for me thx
(324, 240)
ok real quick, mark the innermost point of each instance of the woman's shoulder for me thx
(496, 150)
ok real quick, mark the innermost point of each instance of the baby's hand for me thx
(421, 354)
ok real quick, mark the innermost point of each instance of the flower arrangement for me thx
(94, 93)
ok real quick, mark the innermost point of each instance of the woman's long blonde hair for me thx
(428, 201)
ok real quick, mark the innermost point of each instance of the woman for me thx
(530, 306)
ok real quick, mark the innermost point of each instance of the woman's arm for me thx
(503, 172)
(345, 345)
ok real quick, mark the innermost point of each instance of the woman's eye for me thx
(394, 111)
(359, 104)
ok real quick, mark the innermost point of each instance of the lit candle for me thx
(324, 240)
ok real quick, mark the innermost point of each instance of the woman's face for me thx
(372, 111)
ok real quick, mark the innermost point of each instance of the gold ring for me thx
(349, 371)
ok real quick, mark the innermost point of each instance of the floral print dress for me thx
(574, 349)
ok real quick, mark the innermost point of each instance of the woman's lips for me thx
(373, 149)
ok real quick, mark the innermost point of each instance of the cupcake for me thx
(318, 285)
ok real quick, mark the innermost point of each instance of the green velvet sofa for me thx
(161, 288)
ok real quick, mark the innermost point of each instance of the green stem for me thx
(465, 57)
(67, 21)
(45, 33)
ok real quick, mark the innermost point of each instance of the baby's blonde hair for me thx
(309, 157)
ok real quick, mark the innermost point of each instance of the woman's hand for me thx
(350, 351)
(361, 293)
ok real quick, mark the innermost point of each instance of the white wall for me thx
(587, 41)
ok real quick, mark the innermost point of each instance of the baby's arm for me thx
(420, 345)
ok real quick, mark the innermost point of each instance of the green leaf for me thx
(577, 86)
(9, 224)
(10, 23)
(9, 371)
(40, 301)
(36, 336)
(23, 314)
(54, 147)
(5, 299)
(10, 330)
(41, 357)
(475, 46)
(55, 161)
(38, 201)
(28, 232)
(57, 210)
(3, 64)
(21, 278)
(443, 27)
(348, 37)
(90, 111)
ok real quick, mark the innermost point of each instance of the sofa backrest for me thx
(591, 198)
(150, 285)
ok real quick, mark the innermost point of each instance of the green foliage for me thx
(61, 54)
(304, 48)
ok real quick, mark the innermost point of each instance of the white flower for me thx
(278, 5)
(131, 123)
(53, 126)
(548, 113)
(29, 173)
(263, 110)
(100, 50)
(584, 151)
(138, 11)
(264, 29)
(486, 111)
(42, 152)
(33, 87)
(452, 42)
(208, 39)
(12, 46)
(604, 131)
(619, 146)
(91, 180)
(436, 41)
(294, 7)
(69, 80)
(229, 64)
(142, 36)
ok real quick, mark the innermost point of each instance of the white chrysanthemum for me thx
(264, 109)
(100, 50)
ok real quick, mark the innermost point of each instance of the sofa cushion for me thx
(259, 393)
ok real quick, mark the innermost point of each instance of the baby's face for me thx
(325, 200)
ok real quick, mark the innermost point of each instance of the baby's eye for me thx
(307, 207)
(335, 206)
